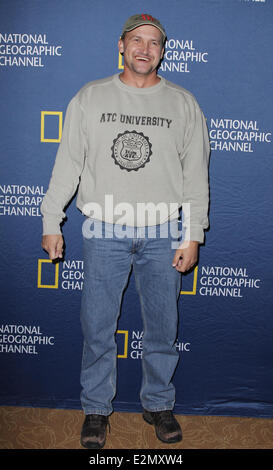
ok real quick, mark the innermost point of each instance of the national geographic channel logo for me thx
(21, 200)
(23, 339)
(226, 281)
(236, 135)
(26, 50)
(67, 275)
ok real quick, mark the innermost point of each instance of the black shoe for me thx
(93, 435)
(166, 426)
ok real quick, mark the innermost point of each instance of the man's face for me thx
(142, 49)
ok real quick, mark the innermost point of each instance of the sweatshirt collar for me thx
(139, 91)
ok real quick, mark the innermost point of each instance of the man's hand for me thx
(186, 256)
(53, 244)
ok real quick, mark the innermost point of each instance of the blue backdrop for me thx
(222, 52)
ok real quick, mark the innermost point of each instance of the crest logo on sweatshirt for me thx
(131, 150)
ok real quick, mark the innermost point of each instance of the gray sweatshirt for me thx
(136, 156)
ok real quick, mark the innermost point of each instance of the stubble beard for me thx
(141, 72)
(138, 70)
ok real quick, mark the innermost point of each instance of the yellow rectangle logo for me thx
(193, 291)
(120, 64)
(124, 355)
(60, 125)
(56, 275)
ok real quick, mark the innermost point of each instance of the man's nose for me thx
(145, 47)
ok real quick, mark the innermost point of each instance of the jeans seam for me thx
(113, 383)
(144, 372)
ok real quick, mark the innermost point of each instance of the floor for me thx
(42, 428)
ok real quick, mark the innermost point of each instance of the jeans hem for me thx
(166, 408)
(97, 412)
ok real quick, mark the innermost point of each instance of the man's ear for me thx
(121, 46)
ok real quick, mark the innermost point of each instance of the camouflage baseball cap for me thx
(139, 20)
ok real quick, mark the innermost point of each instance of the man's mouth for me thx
(140, 57)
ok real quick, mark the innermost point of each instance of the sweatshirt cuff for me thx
(51, 226)
(194, 233)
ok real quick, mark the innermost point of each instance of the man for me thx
(143, 141)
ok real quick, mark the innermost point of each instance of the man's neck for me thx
(139, 81)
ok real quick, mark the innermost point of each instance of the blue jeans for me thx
(108, 261)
